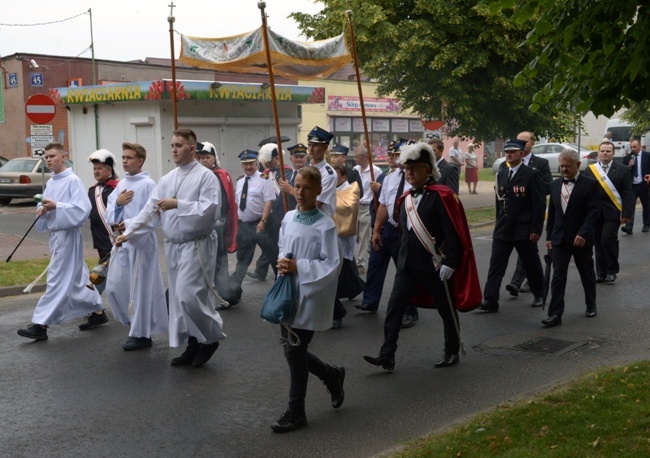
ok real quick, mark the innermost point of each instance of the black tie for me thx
(572, 180)
(512, 172)
(636, 167)
(400, 191)
(244, 191)
(605, 168)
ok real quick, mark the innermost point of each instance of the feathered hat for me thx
(104, 156)
(267, 153)
(420, 152)
(208, 148)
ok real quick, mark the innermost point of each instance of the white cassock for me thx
(314, 243)
(134, 277)
(190, 250)
(66, 295)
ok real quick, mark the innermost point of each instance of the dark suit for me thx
(562, 228)
(610, 218)
(449, 175)
(520, 206)
(540, 164)
(415, 268)
(640, 190)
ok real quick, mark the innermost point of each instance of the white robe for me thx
(318, 258)
(136, 270)
(190, 242)
(66, 296)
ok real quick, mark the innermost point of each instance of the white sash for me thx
(421, 232)
(607, 185)
(101, 209)
(276, 185)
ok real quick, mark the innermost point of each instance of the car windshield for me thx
(575, 147)
(22, 165)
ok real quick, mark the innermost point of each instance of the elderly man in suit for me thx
(520, 207)
(638, 163)
(536, 163)
(572, 214)
(617, 207)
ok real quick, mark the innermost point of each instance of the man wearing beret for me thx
(520, 208)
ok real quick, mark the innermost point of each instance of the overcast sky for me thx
(135, 29)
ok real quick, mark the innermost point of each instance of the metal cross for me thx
(171, 13)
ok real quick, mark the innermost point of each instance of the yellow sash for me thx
(607, 185)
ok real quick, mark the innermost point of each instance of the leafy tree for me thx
(453, 60)
(594, 53)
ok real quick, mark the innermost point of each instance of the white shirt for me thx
(328, 182)
(389, 192)
(457, 153)
(260, 191)
(365, 180)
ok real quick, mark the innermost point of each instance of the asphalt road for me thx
(80, 394)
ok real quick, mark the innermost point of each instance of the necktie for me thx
(244, 191)
(605, 168)
(400, 191)
(572, 180)
(512, 172)
(636, 167)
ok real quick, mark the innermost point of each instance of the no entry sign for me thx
(40, 109)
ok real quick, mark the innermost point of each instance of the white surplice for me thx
(317, 252)
(135, 272)
(66, 295)
(190, 249)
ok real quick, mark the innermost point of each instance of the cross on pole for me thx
(171, 12)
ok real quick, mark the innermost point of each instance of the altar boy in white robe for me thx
(134, 285)
(186, 203)
(64, 209)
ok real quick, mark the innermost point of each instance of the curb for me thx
(17, 290)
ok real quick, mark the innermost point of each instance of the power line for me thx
(43, 23)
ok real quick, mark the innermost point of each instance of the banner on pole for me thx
(245, 54)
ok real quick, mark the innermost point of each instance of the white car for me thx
(551, 152)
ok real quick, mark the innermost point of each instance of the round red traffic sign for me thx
(40, 109)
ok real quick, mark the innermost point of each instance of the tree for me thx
(453, 60)
(595, 51)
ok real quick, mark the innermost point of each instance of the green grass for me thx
(24, 272)
(602, 414)
(480, 215)
(483, 175)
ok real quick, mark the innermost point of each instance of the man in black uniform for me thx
(520, 208)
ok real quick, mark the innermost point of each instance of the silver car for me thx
(22, 178)
(551, 152)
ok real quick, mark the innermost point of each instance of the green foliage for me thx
(453, 60)
(595, 55)
(638, 114)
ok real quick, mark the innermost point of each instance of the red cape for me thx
(231, 217)
(465, 288)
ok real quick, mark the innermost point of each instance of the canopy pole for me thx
(261, 5)
(348, 13)
(171, 20)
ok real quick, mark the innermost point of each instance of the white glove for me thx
(446, 272)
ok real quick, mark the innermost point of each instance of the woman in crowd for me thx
(471, 169)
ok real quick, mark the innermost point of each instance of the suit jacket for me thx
(645, 164)
(581, 214)
(620, 177)
(540, 164)
(520, 204)
(354, 177)
(449, 175)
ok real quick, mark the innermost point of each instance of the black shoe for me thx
(289, 421)
(93, 321)
(137, 343)
(448, 360)
(627, 230)
(513, 289)
(524, 287)
(538, 302)
(609, 279)
(188, 355)
(205, 353)
(646, 228)
(600, 279)
(256, 276)
(386, 362)
(34, 331)
(408, 321)
(591, 312)
(228, 304)
(337, 323)
(552, 320)
(366, 308)
(336, 388)
(487, 307)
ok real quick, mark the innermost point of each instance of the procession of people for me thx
(312, 222)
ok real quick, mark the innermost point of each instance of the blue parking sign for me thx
(37, 79)
(13, 80)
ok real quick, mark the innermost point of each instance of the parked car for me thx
(551, 152)
(23, 178)
(3, 161)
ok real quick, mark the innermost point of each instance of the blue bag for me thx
(281, 301)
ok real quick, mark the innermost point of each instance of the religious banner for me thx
(245, 54)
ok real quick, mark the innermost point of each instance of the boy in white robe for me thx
(134, 285)
(64, 209)
(186, 203)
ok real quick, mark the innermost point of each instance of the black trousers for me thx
(301, 362)
(519, 275)
(640, 191)
(584, 260)
(606, 247)
(501, 251)
(404, 286)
